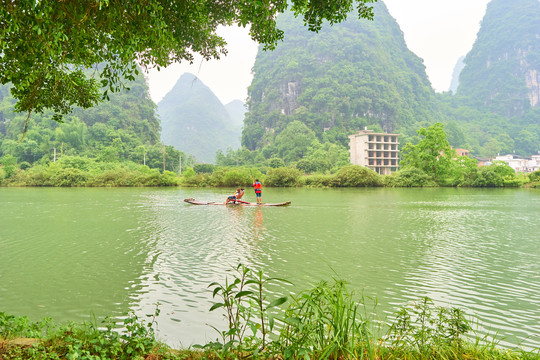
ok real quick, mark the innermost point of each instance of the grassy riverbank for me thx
(74, 171)
(325, 322)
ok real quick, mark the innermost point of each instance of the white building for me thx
(376, 151)
(519, 163)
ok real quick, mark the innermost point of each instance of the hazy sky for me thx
(438, 31)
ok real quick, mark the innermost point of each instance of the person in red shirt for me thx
(258, 191)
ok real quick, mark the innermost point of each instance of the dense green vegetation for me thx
(307, 96)
(328, 85)
(120, 134)
(47, 46)
(495, 105)
(430, 162)
(360, 74)
(328, 321)
(83, 171)
(506, 49)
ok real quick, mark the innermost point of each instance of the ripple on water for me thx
(103, 250)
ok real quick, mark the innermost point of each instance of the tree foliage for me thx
(47, 46)
(120, 130)
(433, 154)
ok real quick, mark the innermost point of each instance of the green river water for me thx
(72, 254)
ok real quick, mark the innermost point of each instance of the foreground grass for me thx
(326, 322)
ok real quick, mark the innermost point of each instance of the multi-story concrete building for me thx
(376, 151)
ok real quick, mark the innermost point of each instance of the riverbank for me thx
(327, 321)
(34, 349)
(74, 171)
(87, 341)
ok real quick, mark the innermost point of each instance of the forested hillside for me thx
(195, 121)
(497, 103)
(360, 73)
(124, 128)
(502, 71)
(351, 75)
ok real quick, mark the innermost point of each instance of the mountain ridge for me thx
(195, 121)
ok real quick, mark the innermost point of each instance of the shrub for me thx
(230, 177)
(190, 178)
(305, 165)
(36, 176)
(69, 177)
(169, 178)
(204, 168)
(9, 165)
(285, 176)
(535, 176)
(409, 177)
(275, 163)
(358, 176)
(76, 162)
(24, 165)
(498, 174)
(320, 180)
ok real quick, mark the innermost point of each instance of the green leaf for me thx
(216, 306)
(276, 302)
(243, 293)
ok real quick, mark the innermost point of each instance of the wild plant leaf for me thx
(293, 321)
(248, 282)
(217, 306)
(276, 302)
(243, 293)
(254, 328)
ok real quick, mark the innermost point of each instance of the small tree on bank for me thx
(433, 154)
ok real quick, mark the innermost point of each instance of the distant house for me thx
(534, 163)
(520, 163)
(482, 161)
(376, 151)
(462, 152)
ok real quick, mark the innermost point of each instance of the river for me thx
(75, 254)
